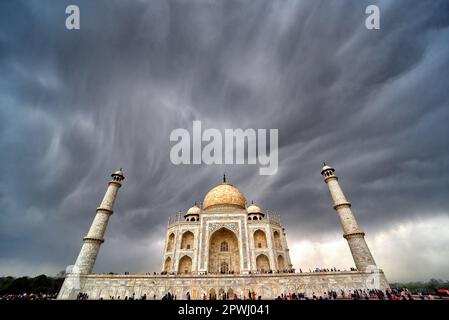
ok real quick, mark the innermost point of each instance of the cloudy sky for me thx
(77, 105)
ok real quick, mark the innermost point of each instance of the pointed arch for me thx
(281, 262)
(262, 263)
(187, 240)
(277, 240)
(171, 242)
(185, 265)
(168, 264)
(260, 239)
(224, 247)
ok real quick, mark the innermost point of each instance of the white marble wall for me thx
(267, 286)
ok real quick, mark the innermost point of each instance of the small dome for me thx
(253, 209)
(118, 173)
(224, 194)
(326, 167)
(193, 210)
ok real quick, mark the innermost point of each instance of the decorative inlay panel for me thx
(212, 227)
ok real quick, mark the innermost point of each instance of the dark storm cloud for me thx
(76, 105)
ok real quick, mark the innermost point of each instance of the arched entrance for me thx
(185, 265)
(187, 240)
(224, 256)
(171, 242)
(281, 263)
(224, 267)
(167, 265)
(230, 294)
(212, 294)
(262, 263)
(221, 293)
(260, 240)
(277, 240)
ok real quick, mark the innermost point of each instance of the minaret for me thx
(351, 231)
(95, 237)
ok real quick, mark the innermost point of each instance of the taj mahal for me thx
(225, 237)
(223, 245)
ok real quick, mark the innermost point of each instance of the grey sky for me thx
(77, 105)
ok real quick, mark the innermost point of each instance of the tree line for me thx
(40, 284)
(429, 286)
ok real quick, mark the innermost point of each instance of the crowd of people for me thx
(82, 296)
(334, 295)
(262, 271)
(317, 269)
(28, 296)
(334, 269)
(365, 294)
(360, 294)
(251, 295)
